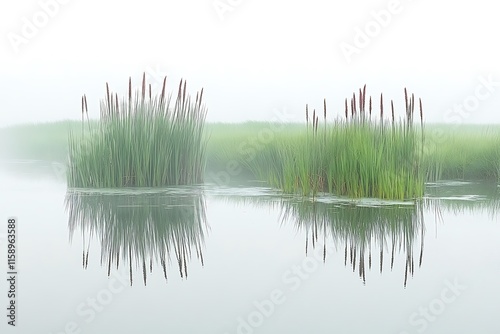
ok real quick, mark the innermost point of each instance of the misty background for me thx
(255, 59)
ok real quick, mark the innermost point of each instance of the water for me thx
(235, 259)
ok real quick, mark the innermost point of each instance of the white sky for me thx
(255, 59)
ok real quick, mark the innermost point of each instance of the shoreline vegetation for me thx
(140, 141)
(302, 157)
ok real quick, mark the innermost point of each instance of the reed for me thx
(354, 157)
(140, 142)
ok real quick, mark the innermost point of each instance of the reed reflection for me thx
(140, 229)
(368, 235)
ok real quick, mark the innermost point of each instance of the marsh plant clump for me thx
(140, 141)
(358, 155)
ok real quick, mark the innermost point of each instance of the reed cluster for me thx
(357, 155)
(141, 140)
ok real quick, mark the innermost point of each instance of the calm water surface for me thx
(243, 259)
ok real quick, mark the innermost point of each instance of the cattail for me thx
(354, 102)
(392, 110)
(143, 86)
(370, 106)
(421, 112)
(163, 89)
(201, 96)
(86, 107)
(317, 123)
(307, 115)
(346, 109)
(129, 89)
(314, 117)
(381, 106)
(324, 109)
(149, 92)
(116, 103)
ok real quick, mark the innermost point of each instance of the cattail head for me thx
(324, 109)
(346, 109)
(392, 111)
(163, 89)
(129, 90)
(421, 112)
(83, 105)
(370, 106)
(381, 106)
(406, 101)
(314, 117)
(86, 107)
(116, 103)
(354, 103)
(143, 85)
(307, 114)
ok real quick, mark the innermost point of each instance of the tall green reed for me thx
(355, 156)
(141, 140)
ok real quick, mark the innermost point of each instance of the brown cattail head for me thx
(108, 100)
(346, 109)
(317, 119)
(150, 92)
(354, 103)
(370, 106)
(421, 112)
(381, 106)
(324, 109)
(314, 117)
(307, 114)
(163, 89)
(86, 107)
(83, 106)
(143, 85)
(201, 96)
(392, 111)
(116, 103)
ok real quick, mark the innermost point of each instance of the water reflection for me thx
(138, 229)
(371, 232)
(363, 232)
(459, 197)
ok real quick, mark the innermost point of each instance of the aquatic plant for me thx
(356, 156)
(140, 141)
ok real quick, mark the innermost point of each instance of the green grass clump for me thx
(355, 157)
(141, 141)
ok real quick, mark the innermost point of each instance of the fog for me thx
(255, 60)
